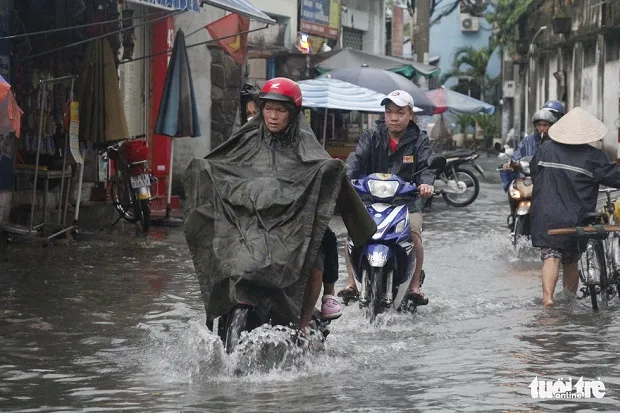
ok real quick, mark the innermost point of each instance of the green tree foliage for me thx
(472, 63)
(505, 18)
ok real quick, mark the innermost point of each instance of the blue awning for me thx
(329, 93)
(193, 5)
(243, 7)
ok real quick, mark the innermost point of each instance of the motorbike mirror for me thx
(436, 162)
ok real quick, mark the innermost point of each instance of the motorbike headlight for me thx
(382, 189)
(400, 227)
(514, 194)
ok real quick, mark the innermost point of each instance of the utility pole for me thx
(420, 25)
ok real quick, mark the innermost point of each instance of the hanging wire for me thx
(19, 36)
(195, 44)
(102, 36)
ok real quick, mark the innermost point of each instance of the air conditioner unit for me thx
(509, 89)
(469, 23)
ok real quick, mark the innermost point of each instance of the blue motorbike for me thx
(383, 266)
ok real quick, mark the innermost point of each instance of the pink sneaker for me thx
(330, 309)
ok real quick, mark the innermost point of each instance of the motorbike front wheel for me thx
(375, 304)
(469, 179)
(237, 324)
(518, 229)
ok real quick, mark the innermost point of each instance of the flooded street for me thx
(118, 324)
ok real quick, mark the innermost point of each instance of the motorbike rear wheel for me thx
(144, 213)
(375, 304)
(454, 199)
(121, 198)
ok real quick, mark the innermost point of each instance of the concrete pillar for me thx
(421, 38)
(600, 68)
(132, 77)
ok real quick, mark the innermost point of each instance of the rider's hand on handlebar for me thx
(426, 190)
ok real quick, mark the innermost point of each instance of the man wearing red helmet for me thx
(280, 104)
(257, 216)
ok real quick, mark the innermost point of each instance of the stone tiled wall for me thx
(225, 95)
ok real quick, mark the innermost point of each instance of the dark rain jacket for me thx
(566, 181)
(528, 146)
(374, 155)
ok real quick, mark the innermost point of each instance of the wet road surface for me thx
(118, 324)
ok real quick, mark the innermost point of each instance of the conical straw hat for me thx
(578, 127)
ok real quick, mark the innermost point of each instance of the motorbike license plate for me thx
(140, 181)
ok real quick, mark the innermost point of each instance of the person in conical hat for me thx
(567, 171)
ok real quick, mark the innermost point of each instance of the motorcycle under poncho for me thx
(256, 211)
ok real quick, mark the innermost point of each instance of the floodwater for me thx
(118, 324)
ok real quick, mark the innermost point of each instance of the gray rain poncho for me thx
(256, 211)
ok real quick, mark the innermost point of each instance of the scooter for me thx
(520, 193)
(131, 185)
(382, 267)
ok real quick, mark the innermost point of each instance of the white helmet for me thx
(544, 115)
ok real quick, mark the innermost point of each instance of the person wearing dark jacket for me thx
(397, 146)
(567, 172)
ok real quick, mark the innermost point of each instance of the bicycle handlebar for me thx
(590, 230)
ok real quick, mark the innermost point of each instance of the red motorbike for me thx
(131, 184)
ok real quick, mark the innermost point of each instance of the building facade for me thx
(569, 52)
(458, 29)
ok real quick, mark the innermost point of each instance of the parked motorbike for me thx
(131, 184)
(382, 267)
(458, 186)
(520, 193)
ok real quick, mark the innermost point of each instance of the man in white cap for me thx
(397, 146)
(566, 173)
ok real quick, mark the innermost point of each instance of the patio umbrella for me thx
(384, 81)
(446, 99)
(178, 113)
(102, 115)
(10, 113)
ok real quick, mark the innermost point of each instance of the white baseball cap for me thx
(401, 98)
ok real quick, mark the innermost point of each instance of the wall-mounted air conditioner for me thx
(469, 23)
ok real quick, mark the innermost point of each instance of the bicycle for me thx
(601, 275)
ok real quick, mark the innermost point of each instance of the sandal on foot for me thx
(331, 308)
(417, 298)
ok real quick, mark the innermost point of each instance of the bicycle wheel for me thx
(596, 272)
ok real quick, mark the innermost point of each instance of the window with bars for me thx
(352, 38)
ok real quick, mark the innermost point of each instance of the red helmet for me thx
(281, 89)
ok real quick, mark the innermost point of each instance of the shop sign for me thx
(321, 17)
(193, 5)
